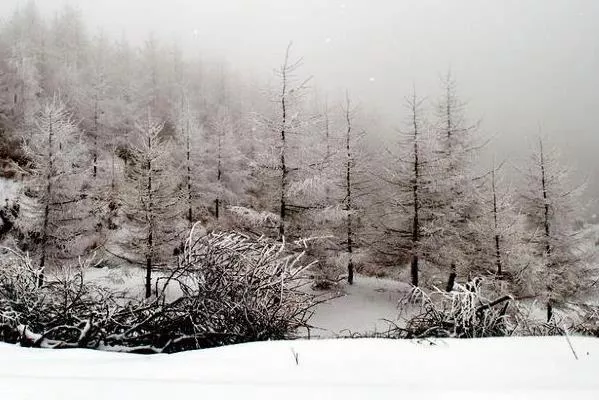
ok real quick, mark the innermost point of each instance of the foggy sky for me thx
(521, 64)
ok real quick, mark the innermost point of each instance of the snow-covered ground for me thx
(501, 368)
(360, 308)
(498, 368)
(9, 190)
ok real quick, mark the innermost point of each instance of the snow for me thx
(361, 307)
(494, 368)
(498, 368)
(9, 190)
(130, 280)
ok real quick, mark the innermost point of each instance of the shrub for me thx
(465, 312)
(64, 312)
(240, 288)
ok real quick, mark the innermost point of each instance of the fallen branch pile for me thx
(462, 313)
(232, 288)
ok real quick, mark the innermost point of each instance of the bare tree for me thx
(188, 146)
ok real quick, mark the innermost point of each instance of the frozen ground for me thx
(502, 368)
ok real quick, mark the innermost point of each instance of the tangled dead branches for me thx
(465, 312)
(232, 289)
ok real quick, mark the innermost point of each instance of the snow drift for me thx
(498, 368)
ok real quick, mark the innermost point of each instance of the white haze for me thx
(521, 64)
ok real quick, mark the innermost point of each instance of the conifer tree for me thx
(150, 200)
(55, 203)
(550, 205)
(411, 217)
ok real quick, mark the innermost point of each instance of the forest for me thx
(251, 200)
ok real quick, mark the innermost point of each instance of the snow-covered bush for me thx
(65, 311)
(475, 310)
(465, 312)
(239, 289)
(571, 318)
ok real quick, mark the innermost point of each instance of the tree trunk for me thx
(218, 176)
(452, 277)
(189, 188)
(148, 284)
(496, 226)
(414, 270)
(546, 222)
(283, 144)
(549, 310)
(150, 219)
(327, 157)
(46, 222)
(95, 155)
(348, 195)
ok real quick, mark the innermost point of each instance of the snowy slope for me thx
(503, 368)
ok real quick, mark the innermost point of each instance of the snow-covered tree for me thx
(497, 250)
(190, 156)
(21, 76)
(54, 204)
(93, 100)
(342, 186)
(153, 86)
(64, 55)
(23, 83)
(228, 177)
(281, 128)
(550, 205)
(348, 205)
(411, 217)
(69, 38)
(150, 199)
(457, 152)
